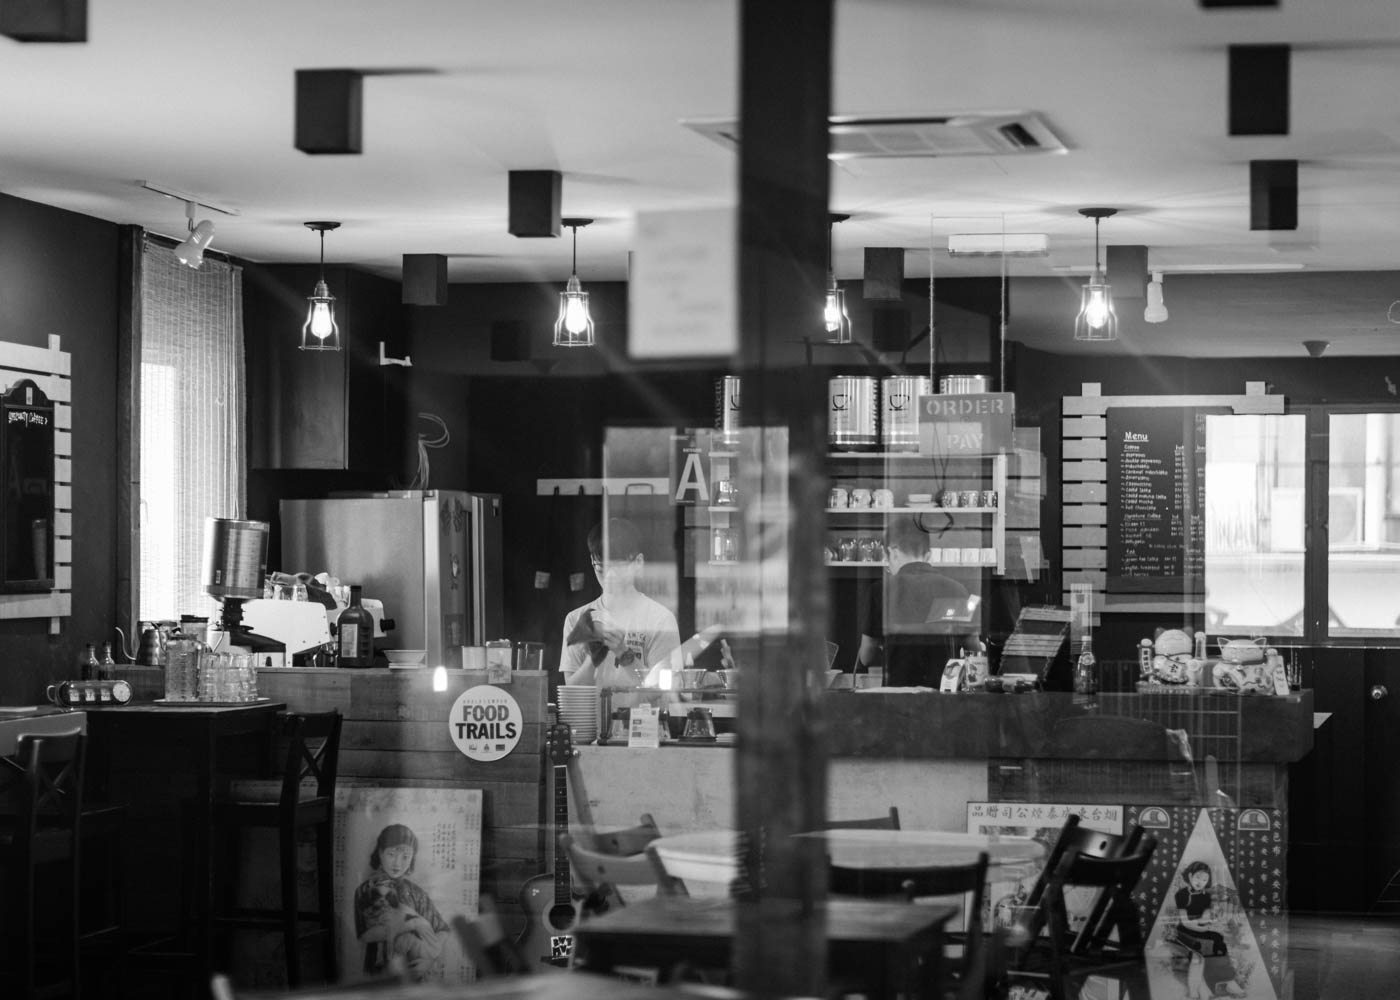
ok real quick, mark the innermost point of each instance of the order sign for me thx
(486, 722)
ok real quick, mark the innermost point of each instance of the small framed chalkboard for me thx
(26, 513)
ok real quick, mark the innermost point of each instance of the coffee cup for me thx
(882, 498)
(969, 498)
(948, 498)
(860, 498)
(838, 497)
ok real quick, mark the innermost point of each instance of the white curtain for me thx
(193, 462)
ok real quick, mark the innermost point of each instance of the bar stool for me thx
(303, 799)
(43, 832)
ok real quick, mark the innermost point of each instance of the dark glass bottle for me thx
(1086, 676)
(107, 669)
(355, 633)
(89, 666)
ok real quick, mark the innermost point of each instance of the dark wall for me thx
(59, 274)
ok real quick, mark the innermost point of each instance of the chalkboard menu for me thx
(1156, 499)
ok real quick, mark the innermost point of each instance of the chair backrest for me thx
(666, 883)
(968, 880)
(890, 821)
(1116, 877)
(312, 755)
(1074, 839)
(51, 795)
(631, 841)
(598, 870)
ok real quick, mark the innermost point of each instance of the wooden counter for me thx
(396, 734)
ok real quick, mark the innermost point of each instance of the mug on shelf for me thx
(838, 497)
(883, 499)
(860, 497)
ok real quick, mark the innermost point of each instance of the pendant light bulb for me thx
(1096, 319)
(320, 332)
(574, 325)
(834, 315)
(1156, 311)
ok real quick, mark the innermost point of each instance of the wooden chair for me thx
(45, 832)
(630, 841)
(304, 799)
(602, 873)
(666, 883)
(968, 973)
(885, 822)
(1073, 839)
(1114, 937)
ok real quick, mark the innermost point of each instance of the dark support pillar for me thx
(785, 100)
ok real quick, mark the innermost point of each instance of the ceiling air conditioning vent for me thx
(989, 133)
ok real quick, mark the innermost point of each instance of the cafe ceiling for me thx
(614, 94)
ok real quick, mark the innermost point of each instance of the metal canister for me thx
(235, 557)
(899, 410)
(727, 409)
(851, 413)
(958, 385)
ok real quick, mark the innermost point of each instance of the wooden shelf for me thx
(906, 510)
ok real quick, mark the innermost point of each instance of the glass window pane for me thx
(1254, 523)
(1363, 524)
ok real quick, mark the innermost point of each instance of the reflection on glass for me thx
(1363, 523)
(1254, 523)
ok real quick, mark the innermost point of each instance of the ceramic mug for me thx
(860, 498)
(882, 498)
(838, 497)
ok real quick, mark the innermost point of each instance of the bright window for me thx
(1363, 524)
(190, 416)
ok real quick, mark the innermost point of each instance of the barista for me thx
(920, 618)
(623, 639)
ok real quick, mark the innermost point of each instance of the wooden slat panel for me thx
(1095, 537)
(63, 470)
(1087, 513)
(454, 765)
(62, 577)
(28, 359)
(1153, 603)
(1078, 472)
(1085, 558)
(53, 605)
(63, 550)
(1082, 427)
(63, 444)
(1085, 405)
(430, 736)
(1094, 578)
(1084, 492)
(1093, 448)
(63, 497)
(63, 418)
(63, 524)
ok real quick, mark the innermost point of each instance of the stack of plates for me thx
(578, 706)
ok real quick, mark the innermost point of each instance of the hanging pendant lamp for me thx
(1096, 319)
(320, 332)
(838, 322)
(574, 327)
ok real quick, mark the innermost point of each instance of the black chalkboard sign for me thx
(1156, 499)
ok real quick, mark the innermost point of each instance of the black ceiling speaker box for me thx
(1259, 89)
(1126, 270)
(329, 111)
(884, 274)
(509, 341)
(535, 199)
(889, 329)
(1273, 194)
(424, 279)
(44, 20)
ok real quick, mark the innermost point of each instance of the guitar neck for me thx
(563, 884)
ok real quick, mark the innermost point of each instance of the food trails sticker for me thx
(485, 723)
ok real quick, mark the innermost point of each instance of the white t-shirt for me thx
(650, 634)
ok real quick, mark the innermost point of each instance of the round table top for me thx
(710, 855)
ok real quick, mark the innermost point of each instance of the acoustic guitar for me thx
(552, 905)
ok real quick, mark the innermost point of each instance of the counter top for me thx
(1123, 726)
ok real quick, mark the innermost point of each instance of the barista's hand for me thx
(607, 632)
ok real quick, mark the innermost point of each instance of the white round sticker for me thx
(486, 722)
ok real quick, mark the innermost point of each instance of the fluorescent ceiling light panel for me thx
(991, 244)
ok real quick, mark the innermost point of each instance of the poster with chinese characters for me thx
(407, 861)
(1213, 897)
(1009, 886)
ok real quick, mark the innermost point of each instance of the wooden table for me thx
(896, 947)
(163, 760)
(38, 721)
(557, 985)
(712, 855)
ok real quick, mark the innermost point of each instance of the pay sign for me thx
(973, 424)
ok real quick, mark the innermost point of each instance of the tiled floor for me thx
(1329, 957)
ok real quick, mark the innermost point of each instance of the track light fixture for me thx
(574, 327)
(1156, 311)
(320, 332)
(1096, 319)
(191, 251)
(838, 323)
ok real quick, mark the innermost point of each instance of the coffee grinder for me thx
(235, 562)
